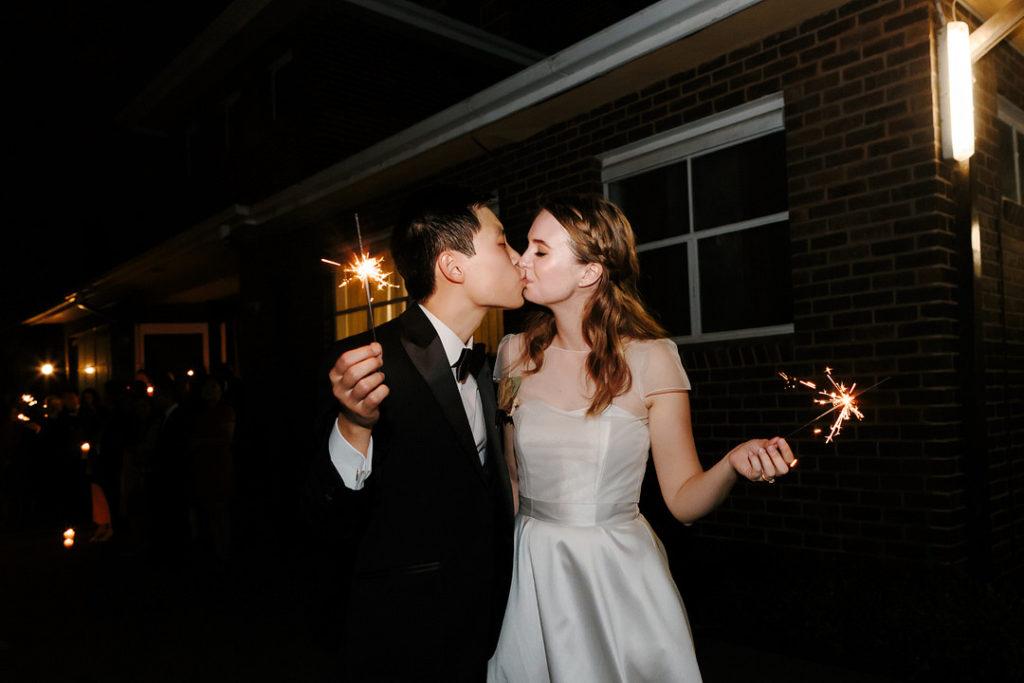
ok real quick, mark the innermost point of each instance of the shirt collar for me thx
(449, 340)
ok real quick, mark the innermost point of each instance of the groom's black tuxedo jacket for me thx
(430, 534)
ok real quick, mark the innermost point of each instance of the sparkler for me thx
(839, 397)
(364, 268)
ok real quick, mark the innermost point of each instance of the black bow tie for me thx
(470, 362)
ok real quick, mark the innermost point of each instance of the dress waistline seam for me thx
(579, 514)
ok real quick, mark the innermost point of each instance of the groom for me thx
(410, 468)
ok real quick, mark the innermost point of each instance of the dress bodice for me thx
(565, 456)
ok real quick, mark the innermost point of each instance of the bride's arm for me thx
(508, 435)
(689, 491)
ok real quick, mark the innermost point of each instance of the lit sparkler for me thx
(29, 399)
(365, 268)
(839, 397)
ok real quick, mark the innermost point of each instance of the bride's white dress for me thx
(592, 598)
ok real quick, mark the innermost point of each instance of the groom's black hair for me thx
(434, 220)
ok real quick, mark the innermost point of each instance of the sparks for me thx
(364, 268)
(839, 397)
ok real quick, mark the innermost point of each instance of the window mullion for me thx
(691, 255)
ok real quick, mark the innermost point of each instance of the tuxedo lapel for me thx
(427, 354)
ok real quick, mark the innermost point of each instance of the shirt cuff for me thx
(350, 463)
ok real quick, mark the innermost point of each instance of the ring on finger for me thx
(766, 478)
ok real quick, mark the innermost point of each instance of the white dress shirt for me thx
(354, 468)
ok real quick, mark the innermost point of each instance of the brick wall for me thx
(1001, 223)
(875, 270)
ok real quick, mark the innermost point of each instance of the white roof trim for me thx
(457, 31)
(642, 33)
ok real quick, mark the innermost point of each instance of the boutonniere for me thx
(508, 394)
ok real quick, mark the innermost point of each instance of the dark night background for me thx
(873, 602)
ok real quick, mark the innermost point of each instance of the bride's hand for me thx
(762, 459)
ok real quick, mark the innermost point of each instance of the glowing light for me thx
(68, 542)
(843, 400)
(364, 268)
(24, 418)
(69, 538)
(956, 91)
(29, 399)
(90, 370)
(839, 397)
(191, 373)
(46, 369)
(86, 447)
(149, 390)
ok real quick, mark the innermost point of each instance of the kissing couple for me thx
(511, 548)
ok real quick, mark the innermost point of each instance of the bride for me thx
(592, 384)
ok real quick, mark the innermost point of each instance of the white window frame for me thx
(740, 124)
(1013, 116)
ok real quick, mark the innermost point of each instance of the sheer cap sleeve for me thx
(507, 355)
(664, 370)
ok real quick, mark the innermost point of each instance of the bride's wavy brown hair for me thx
(599, 233)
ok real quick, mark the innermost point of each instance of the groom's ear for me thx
(449, 265)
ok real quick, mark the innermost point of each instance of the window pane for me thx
(740, 182)
(1007, 172)
(655, 202)
(745, 279)
(354, 322)
(664, 287)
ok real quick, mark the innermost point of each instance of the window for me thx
(708, 203)
(1010, 125)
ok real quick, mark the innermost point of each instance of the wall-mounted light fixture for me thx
(956, 91)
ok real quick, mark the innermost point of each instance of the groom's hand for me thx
(358, 384)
